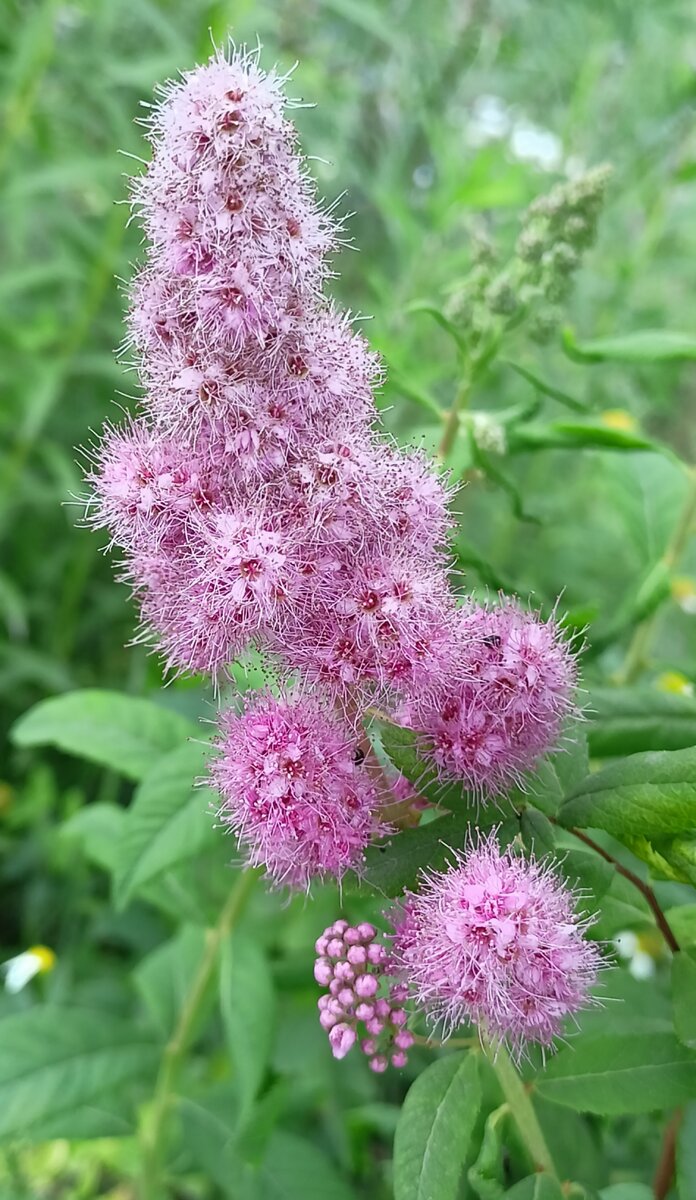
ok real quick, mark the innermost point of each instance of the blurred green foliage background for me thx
(440, 122)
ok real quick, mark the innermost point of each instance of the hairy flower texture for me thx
(292, 791)
(510, 691)
(495, 940)
(351, 965)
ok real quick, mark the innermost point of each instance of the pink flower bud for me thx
(367, 932)
(334, 1006)
(335, 948)
(346, 997)
(327, 1020)
(368, 1046)
(321, 944)
(399, 1016)
(374, 1026)
(399, 1059)
(376, 954)
(382, 1008)
(323, 972)
(378, 1064)
(335, 986)
(357, 955)
(351, 936)
(366, 986)
(342, 1039)
(344, 972)
(404, 1039)
(339, 927)
(364, 1012)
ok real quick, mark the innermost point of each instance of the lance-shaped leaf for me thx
(434, 1133)
(640, 346)
(621, 1073)
(632, 720)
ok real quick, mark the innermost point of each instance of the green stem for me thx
(452, 420)
(154, 1126)
(636, 655)
(521, 1107)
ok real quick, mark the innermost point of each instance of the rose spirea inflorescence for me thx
(255, 503)
(495, 940)
(292, 791)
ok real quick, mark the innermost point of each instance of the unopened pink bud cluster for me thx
(495, 940)
(351, 965)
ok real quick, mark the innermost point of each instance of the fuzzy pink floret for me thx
(503, 707)
(292, 791)
(495, 940)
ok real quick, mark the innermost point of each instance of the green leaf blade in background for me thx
(641, 346)
(651, 794)
(56, 1060)
(614, 1074)
(435, 1128)
(123, 733)
(684, 996)
(631, 720)
(247, 1005)
(686, 1154)
(170, 820)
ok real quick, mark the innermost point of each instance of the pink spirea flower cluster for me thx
(255, 503)
(292, 791)
(351, 964)
(503, 706)
(251, 497)
(495, 940)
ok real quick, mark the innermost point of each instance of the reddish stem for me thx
(665, 1168)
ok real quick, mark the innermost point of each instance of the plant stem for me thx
(636, 654)
(521, 1107)
(664, 1174)
(638, 883)
(154, 1126)
(452, 420)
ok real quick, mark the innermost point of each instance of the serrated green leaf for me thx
(537, 832)
(435, 1128)
(124, 733)
(641, 346)
(652, 794)
(612, 1074)
(684, 996)
(169, 821)
(632, 720)
(247, 1005)
(55, 1060)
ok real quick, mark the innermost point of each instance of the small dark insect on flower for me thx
(359, 756)
(492, 639)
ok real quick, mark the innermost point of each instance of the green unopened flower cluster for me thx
(556, 231)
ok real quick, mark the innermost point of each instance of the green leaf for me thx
(626, 1191)
(573, 435)
(537, 832)
(682, 921)
(168, 822)
(686, 1155)
(400, 746)
(652, 794)
(588, 872)
(124, 733)
(296, 1169)
(247, 1004)
(622, 907)
(631, 720)
(55, 1060)
(163, 978)
(547, 389)
(641, 346)
(486, 1174)
(98, 829)
(435, 1128)
(684, 996)
(426, 306)
(535, 1187)
(618, 1074)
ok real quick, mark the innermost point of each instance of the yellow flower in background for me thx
(18, 971)
(676, 683)
(618, 418)
(684, 594)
